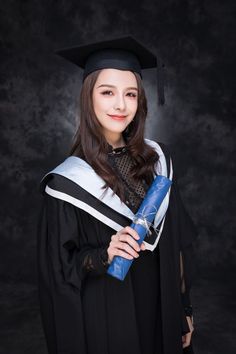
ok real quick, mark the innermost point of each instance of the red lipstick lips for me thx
(117, 117)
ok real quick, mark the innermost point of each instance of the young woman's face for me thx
(115, 101)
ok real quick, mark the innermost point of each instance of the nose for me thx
(120, 102)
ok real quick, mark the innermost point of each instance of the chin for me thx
(118, 130)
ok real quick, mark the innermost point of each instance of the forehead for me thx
(117, 77)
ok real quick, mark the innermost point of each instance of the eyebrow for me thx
(127, 88)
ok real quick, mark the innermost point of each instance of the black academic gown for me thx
(90, 312)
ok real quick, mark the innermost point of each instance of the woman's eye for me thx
(132, 94)
(107, 92)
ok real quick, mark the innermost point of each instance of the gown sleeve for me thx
(188, 234)
(62, 266)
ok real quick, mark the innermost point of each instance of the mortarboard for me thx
(124, 53)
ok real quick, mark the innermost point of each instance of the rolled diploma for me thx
(145, 215)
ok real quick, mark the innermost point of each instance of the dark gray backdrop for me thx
(39, 102)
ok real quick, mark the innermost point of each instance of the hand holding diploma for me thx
(125, 244)
(141, 223)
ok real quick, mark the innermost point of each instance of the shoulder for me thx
(160, 147)
(164, 165)
(69, 166)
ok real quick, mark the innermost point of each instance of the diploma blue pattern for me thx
(142, 220)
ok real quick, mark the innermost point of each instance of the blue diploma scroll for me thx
(143, 219)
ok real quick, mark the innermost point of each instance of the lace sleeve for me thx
(185, 284)
(88, 260)
(95, 260)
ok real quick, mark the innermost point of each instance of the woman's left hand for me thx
(186, 339)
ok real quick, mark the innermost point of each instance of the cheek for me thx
(133, 105)
(101, 104)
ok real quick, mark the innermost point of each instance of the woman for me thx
(85, 310)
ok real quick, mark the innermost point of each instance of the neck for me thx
(116, 142)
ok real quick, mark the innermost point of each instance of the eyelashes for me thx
(107, 93)
(110, 93)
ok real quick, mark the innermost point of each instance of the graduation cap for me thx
(124, 53)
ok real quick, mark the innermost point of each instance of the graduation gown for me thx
(86, 311)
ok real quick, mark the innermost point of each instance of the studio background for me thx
(39, 95)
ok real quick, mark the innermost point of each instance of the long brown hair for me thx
(90, 144)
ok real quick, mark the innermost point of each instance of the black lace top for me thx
(121, 161)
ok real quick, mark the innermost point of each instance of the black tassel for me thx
(160, 84)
